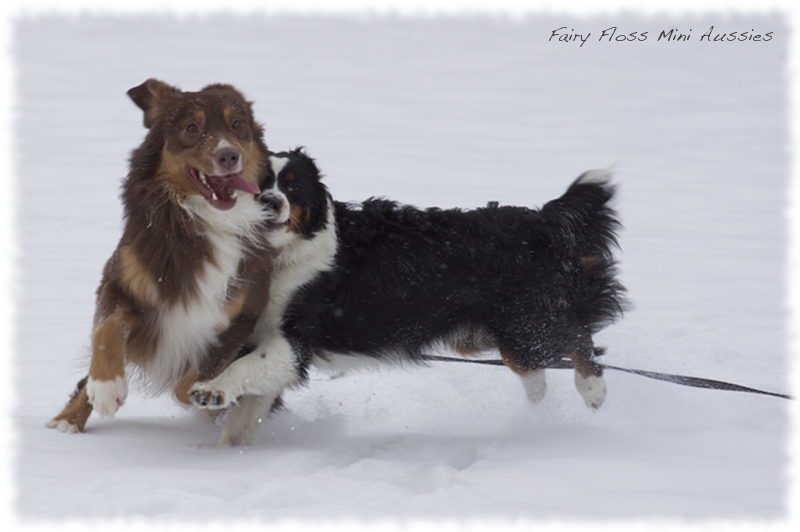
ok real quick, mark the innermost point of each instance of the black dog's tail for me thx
(587, 225)
(585, 221)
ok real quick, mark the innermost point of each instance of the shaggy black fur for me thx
(536, 283)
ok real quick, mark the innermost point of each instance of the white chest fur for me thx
(187, 329)
(298, 262)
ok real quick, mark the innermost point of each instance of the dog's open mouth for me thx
(221, 191)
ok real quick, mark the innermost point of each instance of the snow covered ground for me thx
(447, 112)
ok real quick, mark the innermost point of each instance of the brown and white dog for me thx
(186, 284)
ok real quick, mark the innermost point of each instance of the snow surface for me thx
(446, 112)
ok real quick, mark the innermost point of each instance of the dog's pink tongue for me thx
(237, 182)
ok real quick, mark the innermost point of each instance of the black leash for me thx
(683, 380)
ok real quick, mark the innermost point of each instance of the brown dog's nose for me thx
(226, 158)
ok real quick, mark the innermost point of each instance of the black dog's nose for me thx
(226, 158)
(271, 201)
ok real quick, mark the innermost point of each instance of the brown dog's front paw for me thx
(63, 425)
(106, 396)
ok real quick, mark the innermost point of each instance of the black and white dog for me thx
(383, 281)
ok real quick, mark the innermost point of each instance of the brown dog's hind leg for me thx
(73, 417)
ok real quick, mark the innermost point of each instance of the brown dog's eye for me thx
(192, 128)
(236, 124)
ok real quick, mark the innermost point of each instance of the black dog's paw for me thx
(210, 399)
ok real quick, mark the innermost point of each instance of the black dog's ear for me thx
(151, 96)
(311, 164)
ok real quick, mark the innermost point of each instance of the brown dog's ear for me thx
(150, 96)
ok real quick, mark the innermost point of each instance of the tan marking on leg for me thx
(136, 277)
(108, 346)
(533, 380)
(233, 307)
(183, 386)
(582, 365)
(77, 410)
(508, 360)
